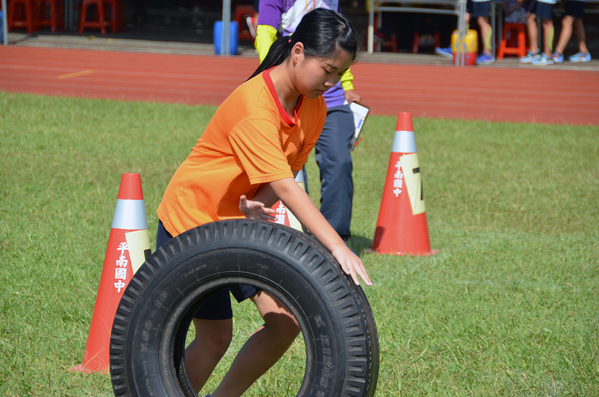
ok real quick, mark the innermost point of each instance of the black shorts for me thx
(541, 10)
(478, 8)
(575, 8)
(218, 306)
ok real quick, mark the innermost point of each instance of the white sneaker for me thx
(530, 57)
(580, 57)
(542, 61)
(558, 58)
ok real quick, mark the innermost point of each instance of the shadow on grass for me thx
(359, 244)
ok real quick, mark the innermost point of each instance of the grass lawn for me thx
(509, 307)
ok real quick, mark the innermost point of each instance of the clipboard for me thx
(360, 113)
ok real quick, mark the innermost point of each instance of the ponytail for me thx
(278, 52)
(323, 33)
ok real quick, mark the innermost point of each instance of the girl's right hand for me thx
(255, 209)
(351, 264)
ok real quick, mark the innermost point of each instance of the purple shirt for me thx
(285, 15)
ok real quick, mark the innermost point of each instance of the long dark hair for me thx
(322, 32)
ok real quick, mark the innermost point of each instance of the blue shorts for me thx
(478, 8)
(541, 10)
(218, 306)
(575, 8)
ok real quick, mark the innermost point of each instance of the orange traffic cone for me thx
(285, 217)
(401, 227)
(128, 245)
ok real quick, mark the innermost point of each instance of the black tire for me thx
(151, 322)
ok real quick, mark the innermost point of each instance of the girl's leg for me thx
(486, 32)
(533, 33)
(565, 35)
(263, 349)
(209, 346)
(580, 35)
(547, 36)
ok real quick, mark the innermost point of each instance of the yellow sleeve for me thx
(265, 36)
(347, 81)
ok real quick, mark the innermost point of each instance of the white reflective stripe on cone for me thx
(130, 214)
(404, 142)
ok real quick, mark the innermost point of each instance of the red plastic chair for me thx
(22, 14)
(97, 21)
(517, 41)
(389, 44)
(116, 15)
(416, 42)
(241, 13)
(55, 20)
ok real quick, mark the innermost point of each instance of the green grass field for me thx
(509, 307)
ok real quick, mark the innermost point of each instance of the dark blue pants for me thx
(333, 157)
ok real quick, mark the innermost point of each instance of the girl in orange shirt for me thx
(245, 161)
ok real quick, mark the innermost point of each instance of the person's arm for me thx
(347, 82)
(298, 201)
(268, 26)
(265, 36)
(259, 207)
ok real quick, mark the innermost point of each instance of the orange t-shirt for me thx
(251, 140)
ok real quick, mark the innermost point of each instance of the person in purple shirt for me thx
(333, 152)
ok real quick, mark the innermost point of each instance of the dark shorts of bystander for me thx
(478, 8)
(541, 10)
(575, 8)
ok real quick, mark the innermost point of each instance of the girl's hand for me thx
(351, 264)
(255, 209)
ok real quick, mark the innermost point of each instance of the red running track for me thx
(476, 93)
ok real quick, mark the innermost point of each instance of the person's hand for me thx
(255, 209)
(353, 96)
(351, 264)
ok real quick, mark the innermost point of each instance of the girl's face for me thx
(313, 76)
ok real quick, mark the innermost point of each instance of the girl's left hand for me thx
(255, 209)
(351, 264)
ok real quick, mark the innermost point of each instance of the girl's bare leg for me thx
(533, 33)
(547, 25)
(263, 349)
(581, 35)
(565, 35)
(209, 346)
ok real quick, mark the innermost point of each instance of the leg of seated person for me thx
(486, 32)
(533, 33)
(547, 36)
(565, 34)
(581, 35)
